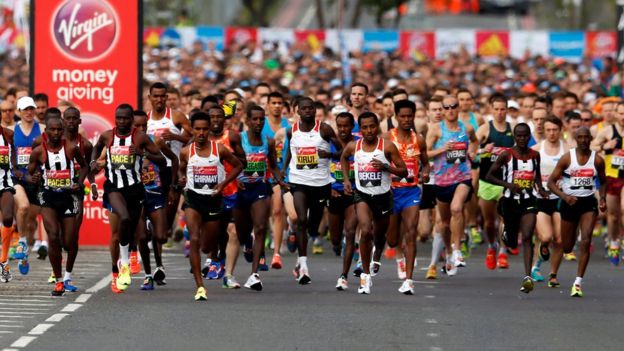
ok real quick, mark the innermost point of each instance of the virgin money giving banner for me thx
(88, 52)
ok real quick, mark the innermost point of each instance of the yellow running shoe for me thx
(124, 279)
(51, 278)
(576, 291)
(570, 257)
(200, 295)
(432, 272)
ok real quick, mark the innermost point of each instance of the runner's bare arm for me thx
(502, 159)
(175, 163)
(97, 150)
(34, 172)
(344, 164)
(237, 167)
(432, 138)
(275, 171)
(153, 151)
(327, 133)
(182, 169)
(602, 190)
(602, 142)
(9, 135)
(84, 169)
(397, 165)
(538, 176)
(88, 149)
(236, 144)
(424, 158)
(286, 156)
(556, 174)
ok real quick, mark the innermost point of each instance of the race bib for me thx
(279, 150)
(582, 178)
(58, 179)
(205, 177)
(150, 174)
(306, 157)
(368, 176)
(5, 158)
(457, 154)
(23, 156)
(617, 159)
(121, 158)
(524, 179)
(336, 170)
(496, 151)
(411, 166)
(256, 166)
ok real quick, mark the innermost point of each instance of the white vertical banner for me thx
(535, 42)
(453, 40)
(353, 39)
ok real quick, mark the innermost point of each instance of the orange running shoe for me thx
(490, 259)
(135, 266)
(502, 261)
(515, 251)
(276, 262)
(390, 253)
(114, 284)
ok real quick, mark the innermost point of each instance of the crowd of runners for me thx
(538, 171)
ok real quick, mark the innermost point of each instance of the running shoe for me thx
(42, 252)
(276, 262)
(459, 259)
(374, 268)
(407, 288)
(432, 272)
(514, 251)
(358, 269)
(11, 252)
(337, 250)
(490, 259)
(187, 248)
(23, 266)
(200, 295)
(390, 253)
(572, 257)
(114, 284)
(262, 266)
(356, 252)
(59, 289)
(253, 282)
(401, 272)
(248, 254)
(124, 280)
(365, 284)
(527, 285)
(135, 266)
(544, 252)
(51, 278)
(614, 255)
(451, 268)
(317, 246)
(205, 269)
(229, 282)
(502, 261)
(5, 273)
(291, 242)
(69, 285)
(552, 281)
(464, 249)
(475, 237)
(159, 276)
(213, 270)
(148, 284)
(21, 251)
(576, 291)
(301, 275)
(536, 274)
(342, 284)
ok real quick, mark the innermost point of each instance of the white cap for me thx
(513, 104)
(25, 102)
(338, 109)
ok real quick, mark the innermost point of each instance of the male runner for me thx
(374, 161)
(579, 169)
(7, 191)
(203, 175)
(41, 100)
(357, 99)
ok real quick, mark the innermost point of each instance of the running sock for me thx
(124, 254)
(22, 239)
(538, 263)
(302, 261)
(615, 244)
(436, 248)
(502, 250)
(6, 243)
(148, 276)
(67, 276)
(44, 243)
(578, 281)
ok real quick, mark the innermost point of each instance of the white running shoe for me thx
(401, 273)
(342, 284)
(374, 268)
(451, 268)
(365, 284)
(407, 287)
(229, 282)
(253, 282)
(458, 259)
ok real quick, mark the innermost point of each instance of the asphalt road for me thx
(475, 310)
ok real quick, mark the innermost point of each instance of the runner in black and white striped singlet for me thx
(6, 199)
(123, 187)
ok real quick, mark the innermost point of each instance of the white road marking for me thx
(23, 341)
(104, 282)
(71, 307)
(83, 298)
(9, 349)
(5, 332)
(20, 309)
(430, 296)
(40, 328)
(11, 326)
(431, 321)
(435, 348)
(27, 304)
(22, 312)
(433, 335)
(57, 317)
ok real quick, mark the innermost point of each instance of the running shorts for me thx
(488, 191)
(339, 204)
(380, 205)
(583, 205)
(445, 193)
(614, 186)
(154, 200)
(548, 206)
(512, 211)
(253, 192)
(64, 202)
(133, 194)
(428, 199)
(314, 194)
(406, 197)
(208, 206)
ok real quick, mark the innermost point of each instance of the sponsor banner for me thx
(453, 40)
(600, 44)
(492, 43)
(531, 42)
(381, 40)
(620, 31)
(352, 39)
(567, 45)
(282, 37)
(88, 52)
(240, 35)
(211, 37)
(418, 46)
(314, 38)
(171, 37)
(151, 36)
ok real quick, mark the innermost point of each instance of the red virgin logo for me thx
(85, 30)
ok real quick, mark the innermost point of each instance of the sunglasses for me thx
(450, 107)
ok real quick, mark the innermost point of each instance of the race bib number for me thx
(369, 176)
(336, 170)
(23, 156)
(121, 158)
(617, 159)
(411, 172)
(279, 151)
(205, 177)
(5, 158)
(306, 157)
(58, 179)
(496, 151)
(457, 154)
(150, 174)
(256, 166)
(524, 179)
(582, 178)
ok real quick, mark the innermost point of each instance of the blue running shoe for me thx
(614, 255)
(148, 284)
(536, 275)
(358, 269)
(213, 271)
(69, 286)
(291, 242)
(221, 273)
(248, 254)
(262, 266)
(21, 251)
(356, 253)
(23, 266)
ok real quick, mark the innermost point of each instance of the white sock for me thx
(37, 243)
(22, 239)
(436, 248)
(578, 281)
(67, 276)
(501, 250)
(614, 244)
(302, 261)
(124, 254)
(44, 243)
